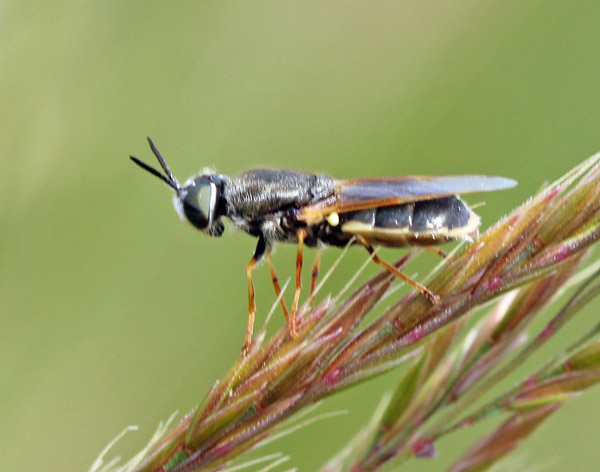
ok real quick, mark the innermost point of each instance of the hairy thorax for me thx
(262, 201)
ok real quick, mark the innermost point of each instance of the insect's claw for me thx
(432, 297)
(292, 321)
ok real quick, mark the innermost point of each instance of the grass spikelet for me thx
(453, 360)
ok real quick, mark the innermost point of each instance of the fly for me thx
(317, 210)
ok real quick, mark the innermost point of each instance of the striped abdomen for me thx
(421, 223)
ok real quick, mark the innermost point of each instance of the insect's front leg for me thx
(259, 252)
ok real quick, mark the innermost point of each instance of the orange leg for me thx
(251, 305)
(313, 277)
(292, 318)
(276, 285)
(437, 251)
(432, 297)
(259, 252)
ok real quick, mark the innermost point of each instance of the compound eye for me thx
(197, 204)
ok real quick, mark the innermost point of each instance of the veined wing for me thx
(360, 194)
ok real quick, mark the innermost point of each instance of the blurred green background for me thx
(115, 313)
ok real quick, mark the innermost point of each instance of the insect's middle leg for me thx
(276, 285)
(313, 277)
(292, 318)
(432, 297)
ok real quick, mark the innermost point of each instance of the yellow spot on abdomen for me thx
(333, 219)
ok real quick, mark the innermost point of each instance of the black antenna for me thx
(162, 161)
(169, 179)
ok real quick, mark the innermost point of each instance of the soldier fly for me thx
(317, 210)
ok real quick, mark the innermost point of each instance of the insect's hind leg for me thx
(432, 297)
(438, 251)
(276, 285)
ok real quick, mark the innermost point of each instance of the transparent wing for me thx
(360, 194)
